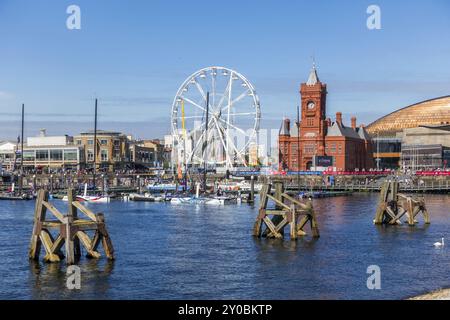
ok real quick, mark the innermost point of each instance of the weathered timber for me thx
(278, 210)
(71, 231)
(393, 206)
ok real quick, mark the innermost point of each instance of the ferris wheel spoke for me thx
(213, 79)
(209, 139)
(243, 114)
(191, 117)
(233, 102)
(233, 146)
(233, 126)
(191, 154)
(194, 104)
(225, 93)
(220, 131)
(200, 139)
(200, 89)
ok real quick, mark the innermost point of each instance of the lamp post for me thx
(378, 152)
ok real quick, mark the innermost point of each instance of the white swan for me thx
(439, 244)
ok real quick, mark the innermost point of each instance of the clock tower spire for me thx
(313, 127)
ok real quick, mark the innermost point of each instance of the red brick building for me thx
(322, 142)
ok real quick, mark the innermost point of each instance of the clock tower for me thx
(313, 124)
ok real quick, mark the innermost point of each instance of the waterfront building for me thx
(53, 152)
(425, 147)
(113, 149)
(147, 153)
(387, 151)
(7, 155)
(407, 134)
(317, 142)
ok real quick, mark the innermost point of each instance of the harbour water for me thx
(165, 251)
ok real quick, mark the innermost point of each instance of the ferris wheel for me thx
(215, 118)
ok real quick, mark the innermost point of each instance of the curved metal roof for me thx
(429, 112)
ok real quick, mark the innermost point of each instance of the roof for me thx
(337, 130)
(313, 77)
(284, 129)
(429, 112)
(363, 134)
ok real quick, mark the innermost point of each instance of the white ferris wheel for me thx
(215, 118)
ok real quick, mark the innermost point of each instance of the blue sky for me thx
(133, 56)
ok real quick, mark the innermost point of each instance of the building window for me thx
(56, 155)
(104, 155)
(79, 142)
(90, 142)
(310, 122)
(333, 148)
(90, 155)
(309, 149)
(42, 155)
(103, 142)
(29, 155)
(71, 155)
(340, 148)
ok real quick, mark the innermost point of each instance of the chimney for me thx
(42, 132)
(287, 125)
(353, 123)
(339, 118)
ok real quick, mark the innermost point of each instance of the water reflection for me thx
(48, 280)
(200, 252)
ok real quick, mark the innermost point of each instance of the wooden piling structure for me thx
(69, 231)
(251, 198)
(392, 206)
(278, 209)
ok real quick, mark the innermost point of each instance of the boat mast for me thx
(205, 160)
(95, 144)
(298, 148)
(21, 150)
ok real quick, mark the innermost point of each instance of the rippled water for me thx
(187, 252)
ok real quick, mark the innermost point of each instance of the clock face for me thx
(311, 105)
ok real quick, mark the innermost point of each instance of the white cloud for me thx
(5, 95)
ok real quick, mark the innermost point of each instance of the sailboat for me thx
(20, 194)
(85, 197)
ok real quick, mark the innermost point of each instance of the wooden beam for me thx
(87, 244)
(58, 215)
(85, 210)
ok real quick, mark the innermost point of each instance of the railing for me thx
(434, 186)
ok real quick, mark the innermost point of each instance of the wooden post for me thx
(287, 209)
(72, 196)
(293, 220)
(39, 217)
(251, 198)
